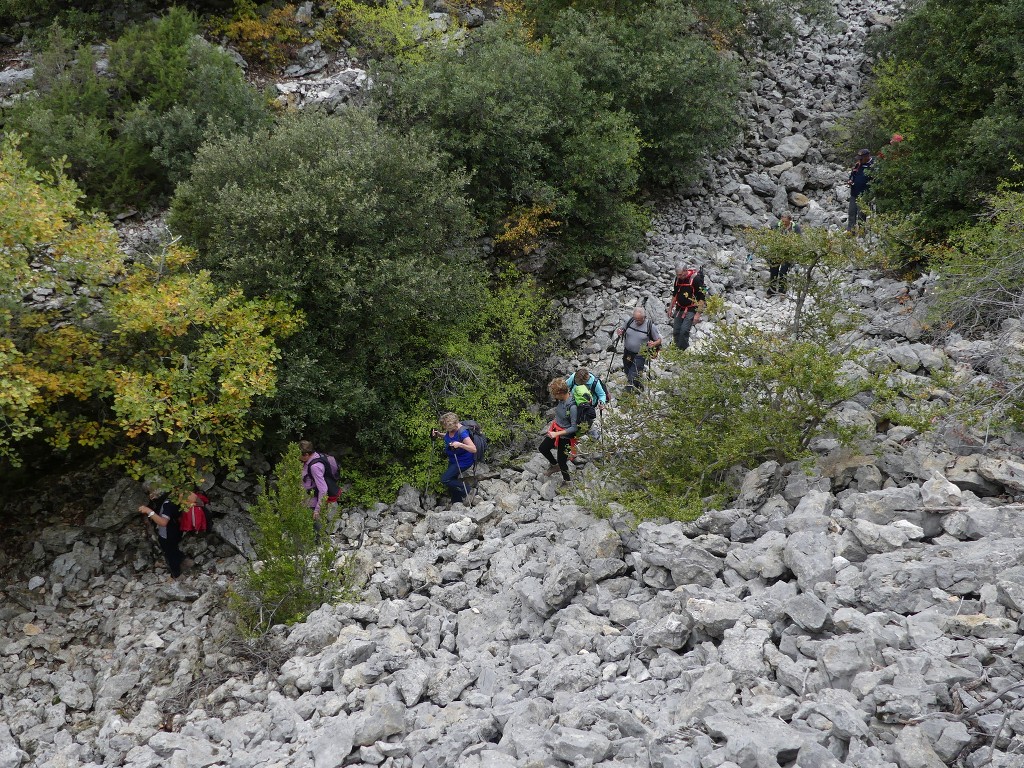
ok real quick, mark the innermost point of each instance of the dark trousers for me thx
(172, 554)
(777, 277)
(633, 366)
(546, 447)
(454, 483)
(681, 325)
(854, 215)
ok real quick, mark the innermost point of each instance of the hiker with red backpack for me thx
(165, 515)
(319, 478)
(688, 300)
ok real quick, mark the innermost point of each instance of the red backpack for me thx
(194, 518)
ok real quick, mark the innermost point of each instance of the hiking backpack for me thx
(585, 399)
(194, 518)
(330, 476)
(477, 436)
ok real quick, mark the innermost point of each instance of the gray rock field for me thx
(866, 612)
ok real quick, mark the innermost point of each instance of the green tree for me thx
(369, 234)
(746, 396)
(680, 90)
(149, 363)
(296, 570)
(949, 81)
(127, 137)
(520, 119)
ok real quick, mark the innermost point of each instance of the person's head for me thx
(582, 376)
(863, 155)
(449, 422)
(306, 449)
(682, 270)
(639, 315)
(152, 488)
(786, 220)
(558, 389)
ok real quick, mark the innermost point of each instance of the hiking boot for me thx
(551, 470)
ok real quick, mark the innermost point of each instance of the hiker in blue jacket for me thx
(461, 450)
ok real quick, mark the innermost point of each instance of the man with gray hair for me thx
(639, 333)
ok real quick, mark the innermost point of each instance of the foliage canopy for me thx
(150, 361)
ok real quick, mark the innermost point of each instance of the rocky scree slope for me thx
(865, 614)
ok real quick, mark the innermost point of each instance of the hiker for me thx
(591, 397)
(859, 180)
(777, 270)
(461, 450)
(165, 514)
(561, 431)
(193, 519)
(638, 332)
(688, 301)
(315, 467)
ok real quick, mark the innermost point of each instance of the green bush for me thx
(679, 89)
(368, 232)
(93, 19)
(520, 119)
(746, 396)
(949, 81)
(981, 273)
(296, 570)
(130, 135)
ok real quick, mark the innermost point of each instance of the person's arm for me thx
(316, 471)
(572, 411)
(655, 341)
(602, 396)
(466, 443)
(152, 514)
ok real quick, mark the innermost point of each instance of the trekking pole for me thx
(611, 357)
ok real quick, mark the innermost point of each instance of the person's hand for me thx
(600, 406)
(619, 331)
(696, 318)
(144, 510)
(652, 344)
(316, 514)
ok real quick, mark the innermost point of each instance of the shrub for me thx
(521, 120)
(679, 89)
(981, 273)
(393, 28)
(949, 82)
(296, 569)
(264, 38)
(364, 229)
(761, 393)
(149, 363)
(129, 136)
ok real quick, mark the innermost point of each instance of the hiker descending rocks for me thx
(165, 515)
(319, 478)
(562, 430)
(778, 269)
(461, 450)
(590, 396)
(641, 338)
(688, 301)
(860, 178)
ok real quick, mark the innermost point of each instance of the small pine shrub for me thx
(296, 570)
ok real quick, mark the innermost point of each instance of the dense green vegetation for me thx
(129, 135)
(370, 234)
(536, 141)
(949, 81)
(147, 362)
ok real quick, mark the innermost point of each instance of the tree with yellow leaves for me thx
(147, 363)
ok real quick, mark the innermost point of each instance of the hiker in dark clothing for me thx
(638, 332)
(461, 450)
(860, 178)
(164, 514)
(688, 301)
(561, 430)
(777, 270)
